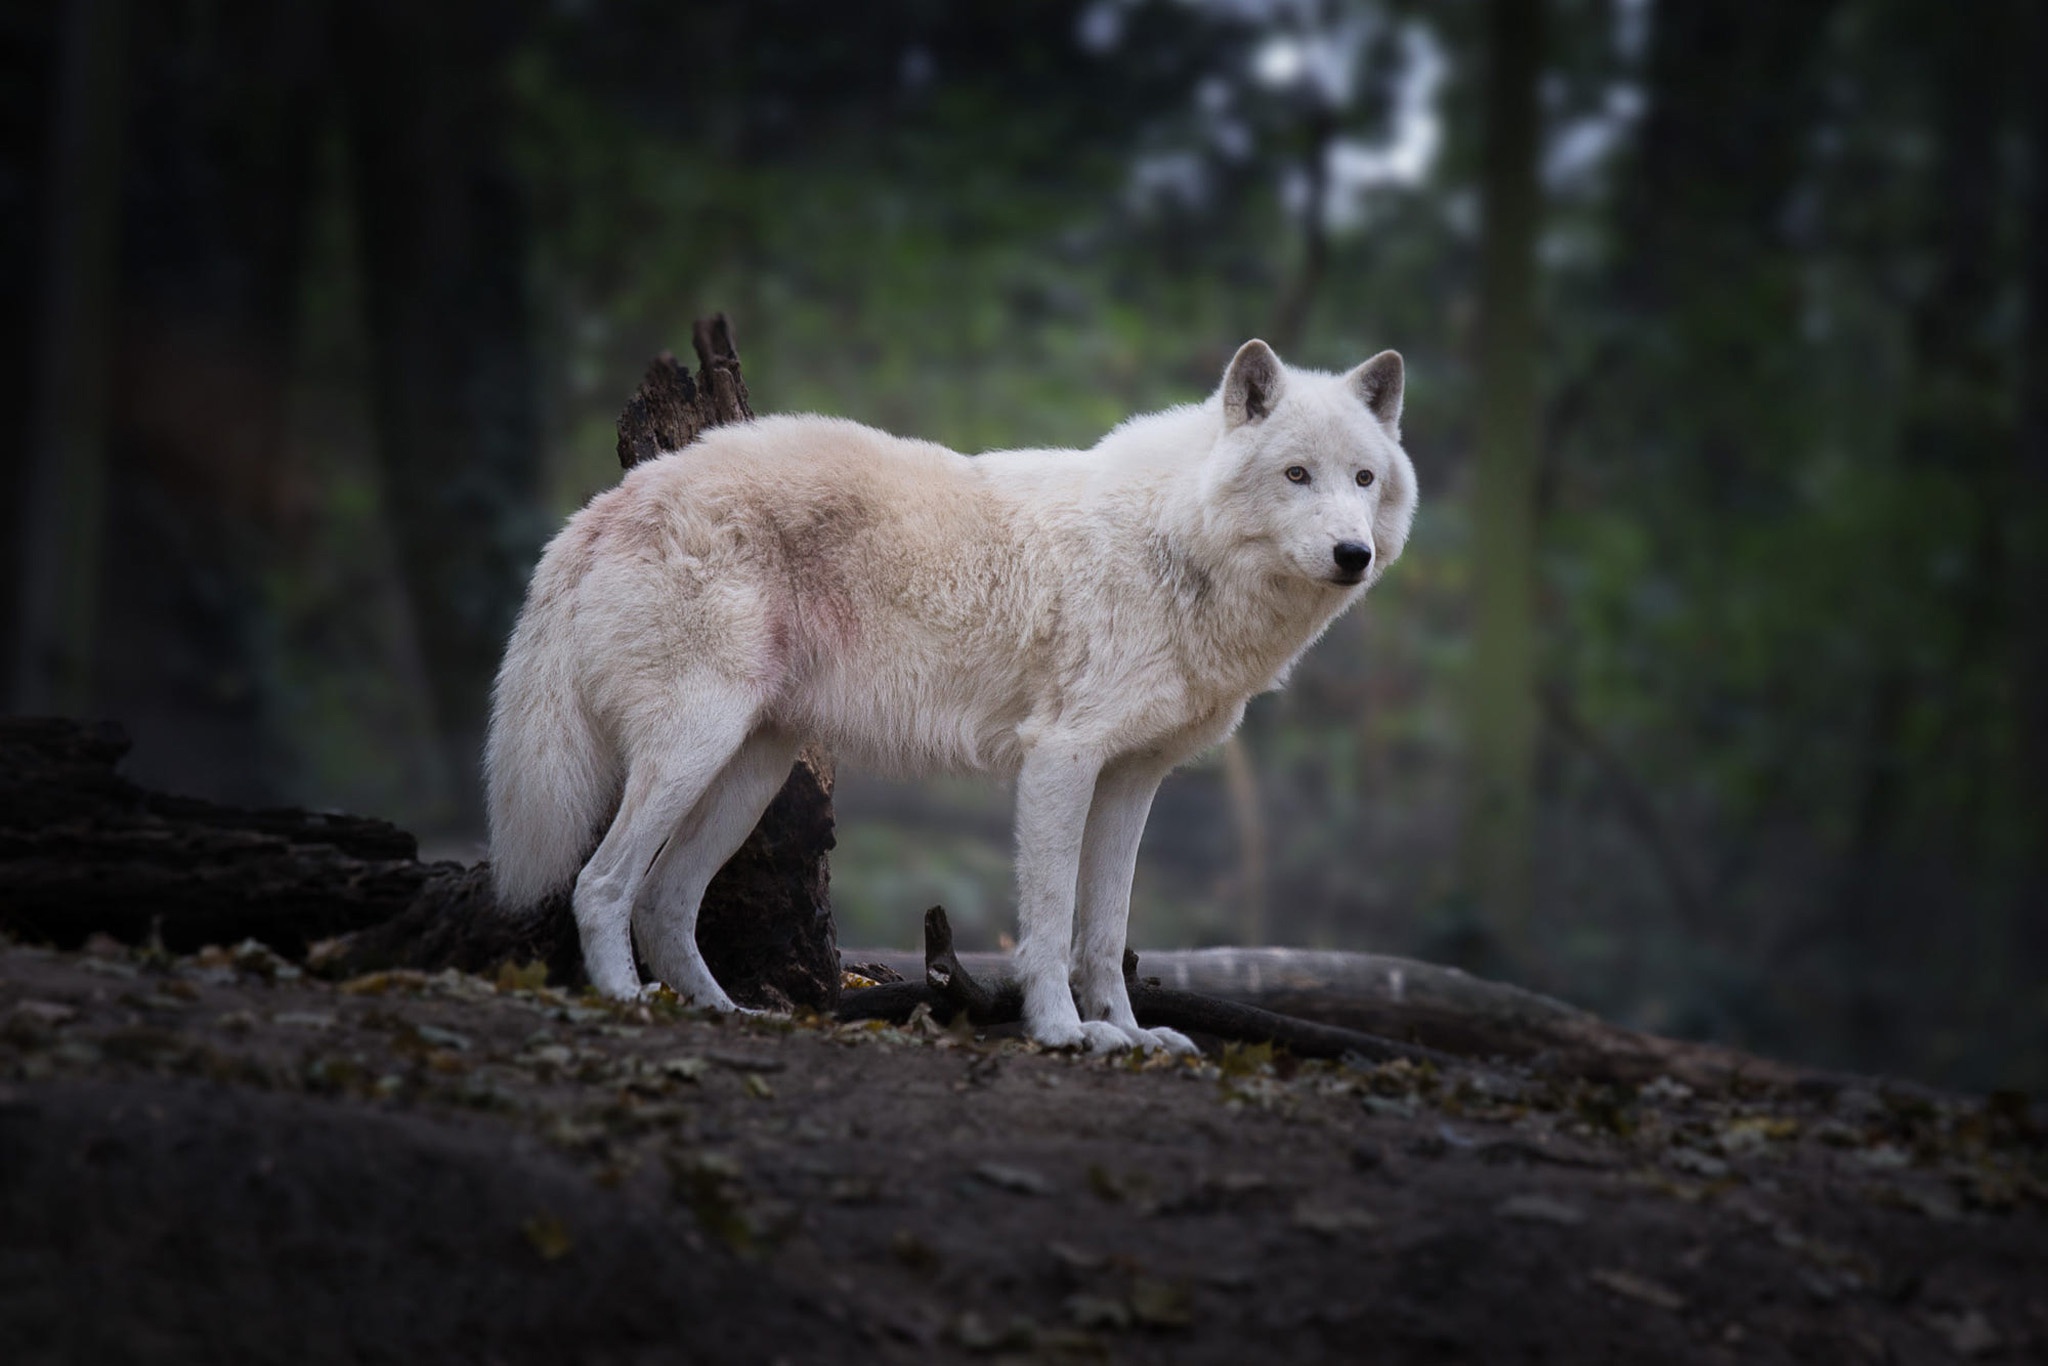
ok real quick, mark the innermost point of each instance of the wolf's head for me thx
(1308, 474)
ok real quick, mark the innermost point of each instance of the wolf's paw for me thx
(1164, 1040)
(1056, 1034)
(1100, 1036)
(1093, 1036)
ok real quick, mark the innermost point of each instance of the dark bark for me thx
(452, 921)
(85, 851)
(672, 408)
(766, 926)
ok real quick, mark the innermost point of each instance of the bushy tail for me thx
(552, 779)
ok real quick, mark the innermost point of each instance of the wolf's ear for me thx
(1252, 384)
(1378, 383)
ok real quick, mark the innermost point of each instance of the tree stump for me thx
(766, 926)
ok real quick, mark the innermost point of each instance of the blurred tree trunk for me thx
(62, 510)
(2031, 582)
(1500, 810)
(1959, 416)
(445, 234)
(1708, 288)
(223, 104)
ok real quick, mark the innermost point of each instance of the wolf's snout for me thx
(1352, 558)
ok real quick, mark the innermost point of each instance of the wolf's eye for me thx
(1365, 479)
(1296, 475)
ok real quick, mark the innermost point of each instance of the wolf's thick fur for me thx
(1084, 620)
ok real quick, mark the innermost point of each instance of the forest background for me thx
(1712, 692)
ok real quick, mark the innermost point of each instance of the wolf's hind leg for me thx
(663, 786)
(665, 914)
(1109, 860)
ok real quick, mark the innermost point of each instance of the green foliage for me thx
(1780, 523)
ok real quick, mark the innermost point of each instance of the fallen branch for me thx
(1435, 1010)
(951, 991)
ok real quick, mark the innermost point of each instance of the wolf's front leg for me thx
(1109, 860)
(1053, 793)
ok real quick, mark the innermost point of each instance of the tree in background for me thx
(1500, 827)
(445, 247)
(201, 503)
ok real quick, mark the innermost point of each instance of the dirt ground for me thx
(219, 1158)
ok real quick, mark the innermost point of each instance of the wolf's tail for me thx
(552, 778)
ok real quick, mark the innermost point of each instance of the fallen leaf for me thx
(1097, 1311)
(1936, 1203)
(1696, 1162)
(913, 1251)
(442, 1038)
(1754, 1133)
(854, 1190)
(1664, 1090)
(524, 977)
(1245, 1060)
(1021, 1180)
(383, 983)
(1161, 1304)
(1968, 1334)
(44, 1012)
(977, 1334)
(549, 1236)
(1332, 1220)
(1885, 1157)
(1627, 1283)
(1540, 1209)
(1076, 1259)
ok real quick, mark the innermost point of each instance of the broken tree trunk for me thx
(766, 926)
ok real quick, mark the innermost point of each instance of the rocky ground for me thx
(219, 1157)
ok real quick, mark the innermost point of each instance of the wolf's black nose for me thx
(1352, 558)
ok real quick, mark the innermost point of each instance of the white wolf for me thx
(1084, 620)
